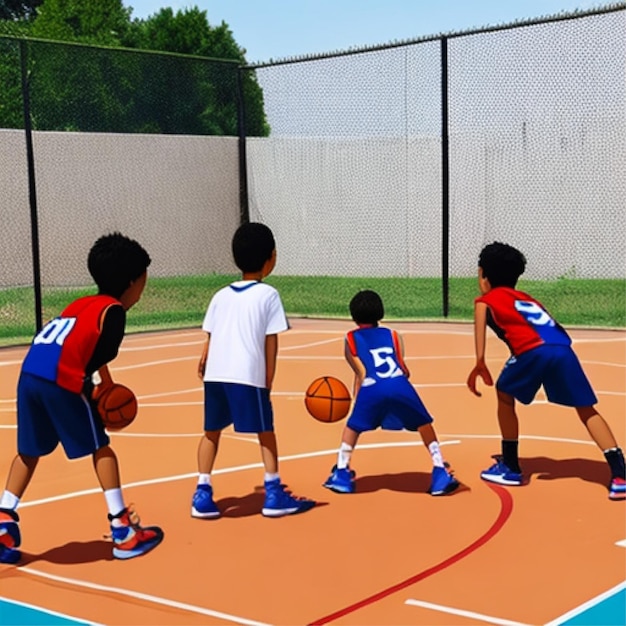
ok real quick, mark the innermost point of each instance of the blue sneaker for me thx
(501, 474)
(341, 480)
(202, 504)
(279, 502)
(617, 489)
(129, 538)
(443, 482)
(10, 537)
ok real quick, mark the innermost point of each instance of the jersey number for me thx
(533, 313)
(55, 331)
(386, 367)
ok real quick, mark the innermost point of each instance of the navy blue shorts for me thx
(391, 405)
(555, 367)
(246, 407)
(48, 414)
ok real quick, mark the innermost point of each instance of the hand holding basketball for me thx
(117, 406)
(327, 399)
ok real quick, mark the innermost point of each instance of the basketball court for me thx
(550, 552)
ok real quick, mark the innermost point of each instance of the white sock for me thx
(115, 500)
(9, 501)
(435, 453)
(204, 479)
(270, 477)
(345, 453)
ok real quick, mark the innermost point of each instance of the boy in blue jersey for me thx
(56, 396)
(541, 354)
(383, 396)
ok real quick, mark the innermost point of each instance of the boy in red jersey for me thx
(541, 354)
(55, 394)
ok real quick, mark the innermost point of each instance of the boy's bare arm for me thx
(480, 339)
(357, 368)
(203, 357)
(403, 364)
(271, 353)
(103, 380)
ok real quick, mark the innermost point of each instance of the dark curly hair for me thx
(115, 261)
(366, 307)
(502, 264)
(253, 244)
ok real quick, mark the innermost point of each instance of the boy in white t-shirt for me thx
(237, 366)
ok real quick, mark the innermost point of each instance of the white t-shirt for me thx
(238, 319)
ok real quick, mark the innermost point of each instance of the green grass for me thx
(181, 302)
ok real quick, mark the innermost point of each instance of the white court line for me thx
(611, 340)
(259, 465)
(621, 544)
(603, 363)
(158, 346)
(229, 470)
(287, 394)
(310, 345)
(173, 604)
(461, 613)
(40, 609)
(587, 605)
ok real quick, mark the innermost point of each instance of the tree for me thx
(19, 9)
(188, 32)
(103, 22)
(94, 89)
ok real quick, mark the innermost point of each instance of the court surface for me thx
(550, 552)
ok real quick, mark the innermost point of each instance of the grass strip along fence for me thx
(181, 302)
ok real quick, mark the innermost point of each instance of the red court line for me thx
(506, 508)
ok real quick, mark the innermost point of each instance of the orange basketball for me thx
(327, 399)
(117, 407)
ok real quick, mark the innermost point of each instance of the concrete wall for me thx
(177, 195)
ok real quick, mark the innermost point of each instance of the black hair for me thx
(253, 244)
(115, 261)
(502, 264)
(366, 307)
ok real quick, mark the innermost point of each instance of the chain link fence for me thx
(398, 161)
(407, 160)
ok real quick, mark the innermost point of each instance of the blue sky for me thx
(276, 29)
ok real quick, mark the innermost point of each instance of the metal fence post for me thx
(32, 189)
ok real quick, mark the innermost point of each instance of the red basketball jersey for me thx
(62, 349)
(521, 321)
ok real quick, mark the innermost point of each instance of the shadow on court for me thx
(73, 553)
(545, 468)
(408, 482)
(248, 505)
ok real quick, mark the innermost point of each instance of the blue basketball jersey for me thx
(378, 349)
(386, 398)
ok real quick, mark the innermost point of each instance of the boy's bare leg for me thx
(349, 440)
(278, 501)
(202, 504)
(269, 451)
(429, 437)
(107, 469)
(207, 451)
(427, 433)
(349, 436)
(599, 430)
(22, 470)
(509, 429)
(108, 472)
(601, 433)
(507, 417)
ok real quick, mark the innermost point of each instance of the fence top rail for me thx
(558, 17)
(78, 44)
